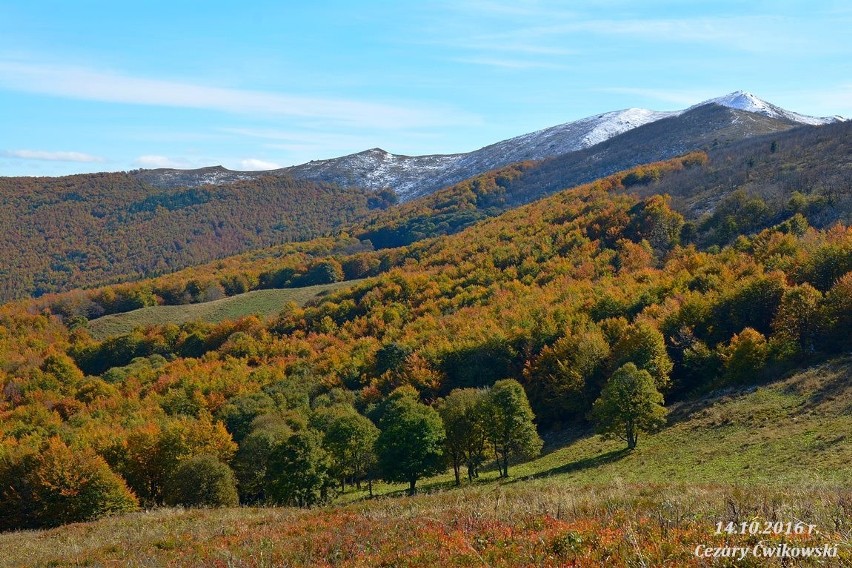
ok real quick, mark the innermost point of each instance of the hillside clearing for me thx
(263, 303)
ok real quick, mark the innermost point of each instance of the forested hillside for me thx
(550, 302)
(85, 230)
(78, 231)
(751, 180)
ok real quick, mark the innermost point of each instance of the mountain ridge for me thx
(414, 176)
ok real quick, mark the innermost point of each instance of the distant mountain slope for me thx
(789, 179)
(78, 231)
(413, 176)
(739, 144)
(702, 128)
(805, 170)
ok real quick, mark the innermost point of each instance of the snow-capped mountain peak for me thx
(742, 100)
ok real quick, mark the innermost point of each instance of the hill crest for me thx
(413, 176)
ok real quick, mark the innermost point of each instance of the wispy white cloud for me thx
(107, 86)
(52, 156)
(552, 28)
(499, 8)
(749, 34)
(253, 164)
(507, 63)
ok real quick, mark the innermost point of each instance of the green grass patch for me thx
(264, 303)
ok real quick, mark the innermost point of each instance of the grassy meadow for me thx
(776, 452)
(264, 303)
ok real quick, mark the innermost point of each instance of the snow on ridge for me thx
(411, 176)
(621, 121)
(743, 100)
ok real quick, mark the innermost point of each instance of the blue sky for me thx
(103, 86)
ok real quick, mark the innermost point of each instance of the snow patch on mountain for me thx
(621, 121)
(742, 100)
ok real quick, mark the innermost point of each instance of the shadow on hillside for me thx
(833, 388)
(579, 465)
(426, 487)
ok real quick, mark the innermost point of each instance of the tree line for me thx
(262, 450)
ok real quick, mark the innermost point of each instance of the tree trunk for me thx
(631, 436)
(457, 471)
(370, 486)
(411, 486)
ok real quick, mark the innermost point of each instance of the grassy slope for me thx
(779, 451)
(259, 302)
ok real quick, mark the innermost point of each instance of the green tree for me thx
(201, 481)
(629, 403)
(798, 318)
(325, 271)
(837, 315)
(62, 367)
(558, 380)
(238, 413)
(390, 357)
(252, 458)
(411, 442)
(643, 345)
(752, 303)
(510, 427)
(350, 439)
(464, 423)
(153, 450)
(298, 472)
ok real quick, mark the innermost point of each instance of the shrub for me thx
(202, 481)
(745, 356)
(58, 485)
